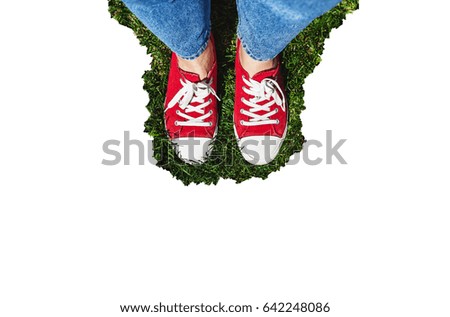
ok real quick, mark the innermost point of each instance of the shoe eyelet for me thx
(242, 99)
(278, 121)
(241, 122)
(241, 111)
(177, 112)
(210, 100)
(210, 124)
(276, 110)
(210, 112)
(176, 123)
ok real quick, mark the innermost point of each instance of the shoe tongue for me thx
(266, 73)
(192, 77)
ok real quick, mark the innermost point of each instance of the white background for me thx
(78, 238)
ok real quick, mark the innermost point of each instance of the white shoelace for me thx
(262, 91)
(193, 93)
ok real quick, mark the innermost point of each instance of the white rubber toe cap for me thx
(260, 150)
(193, 150)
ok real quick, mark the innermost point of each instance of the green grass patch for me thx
(299, 60)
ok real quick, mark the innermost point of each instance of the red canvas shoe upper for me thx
(190, 108)
(260, 107)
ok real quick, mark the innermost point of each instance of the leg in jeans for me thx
(190, 106)
(266, 27)
(184, 26)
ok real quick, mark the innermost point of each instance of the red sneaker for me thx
(191, 112)
(260, 113)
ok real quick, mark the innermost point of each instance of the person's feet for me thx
(190, 109)
(260, 109)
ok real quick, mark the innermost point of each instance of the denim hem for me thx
(202, 47)
(249, 52)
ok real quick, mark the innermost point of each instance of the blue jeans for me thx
(265, 27)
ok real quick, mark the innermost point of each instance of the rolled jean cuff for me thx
(250, 53)
(199, 51)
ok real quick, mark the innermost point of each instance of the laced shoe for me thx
(190, 112)
(260, 113)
